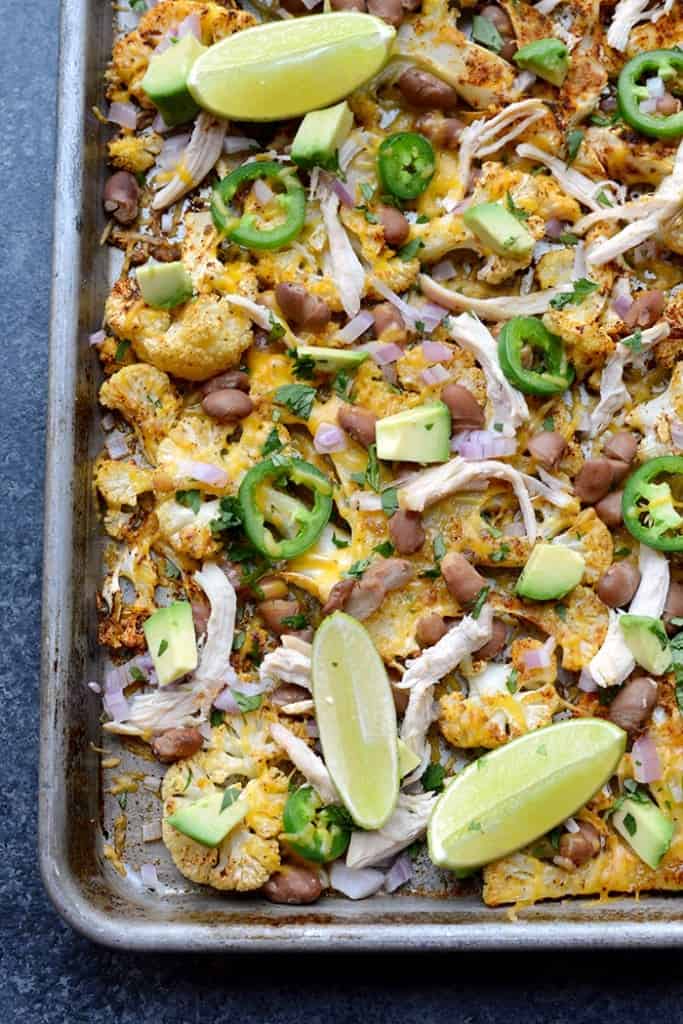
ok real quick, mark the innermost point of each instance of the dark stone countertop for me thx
(48, 974)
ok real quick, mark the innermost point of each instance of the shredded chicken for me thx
(572, 181)
(614, 661)
(431, 485)
(669, 197)
(626, 16)
(346, 269)
(287, 665)
(502, 307)
(408, 823)
(547, 6)
(203, 150)
(306, 761)
(509, 405)
(614, 394)
(483, 137)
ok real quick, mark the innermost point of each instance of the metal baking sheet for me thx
(75, 810)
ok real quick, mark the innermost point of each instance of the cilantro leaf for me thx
(246, 702)
(190, 499)
(501, 554)
(580, 291)
(163, 646)
(342, 385)
(229, 516)
(297, 621)
(356, 570)
(338, 542)
(439, 547)
(569, 238)
(511, 681)
(385, 549)
(574, 140)
(410, 250)
(172, 571)
(272, 443)
(298, 398)
(634, 341)
(304, 366)
(480, 602)
(277, 329)
(516, 211)
(121, 350)
(432, 780)
(217, 717)
(229, 797)
(372, 469)
(390, 501)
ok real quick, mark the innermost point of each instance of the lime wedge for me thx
(517, 793)
(356, 718)
(286, 68)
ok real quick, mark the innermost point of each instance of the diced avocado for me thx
(408, 760)
(547, 58)
(551, 572)
(647, 641)
(647, 831)
(421, 434)
(171, 641)
(164, 285)
(499, 230)
(320, 135)
(165, 80)
(328, 360)
(209, 819)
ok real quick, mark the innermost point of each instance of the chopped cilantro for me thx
(479, 603)
(245, 701)
(137, 5)
(486, 34)
(580, 291)
(367, 191)
(385, 549)
(217, 717)
(548, 423)
(163, 646)
(569, 238)
(439, 547)
(630, 824)
(137, 675)
(603, 198)
(121, 350)
(372, 469)
(561, 612)
(390, 501)
(277, 329)
(433, 777)
(516, 211)
(172, 571)
(634, 341)
(304, 366)
(298, 398)
(501, 554)
(123, 800)
(297, 621)
(605, 120)
(190, 499)
(229, 516)
(229, 797)
(342, 385)
(422, 219)
(410, 250)
(356, 570)
(622, 553)
(272, 443)
(574, 140)
(490, 528)
(511, 681)
(474, 826)
(338, 542)
(238, 640)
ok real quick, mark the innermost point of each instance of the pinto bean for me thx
(623, 446)
(390, 11)
(633, 705)
(429, 629)
(442, 131)
(289, 693)
(165, 252)
(294, 884)
(616, 587)
(495, 645)
(609, 509)
(294, 6)
(174, 744)
(121, 196)
(348, 5)
(201, 612)
(461, 578)
(228, 405)
(548, 447)
(272, 587)
(673, 609)
(668, 104)
(389, 321)
(396, 227)
(359, 423)
(466, 413)
(299, 307)
(406, 531)
(228, 380)
(620, 470)
(275, 610)
(369, 591)
(645, 310)
(580, 847)
(593, 480)
(426, 92)
(499, 18)
(338, 596)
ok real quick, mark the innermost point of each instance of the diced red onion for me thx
(586, 682)
(646, 764)
(116, 446)
(385, 354)
(107, 421)
(435, 375)
(655, 86)
(329, 438)
(356, 883)
(554, 228)
(572, 825)
(250, 689)
(159, 125)
(366, 501)
(205, 730)
(409, 313)
(263, 193)
(354, 328)
(148, 876)
(204, 472)
(96, 338)
(312, 729)
(310, 4)
(400, 872)
(648, 106)
(443, 271)
(621, 305)
(116, 705)
(151, 831)
(238, 144)
(676, 428)
(123, 114)
(537, 658)
(436, 352)
(226, 702)
(482, 444)
(95, 687)
(190, 25)
(430, 315)
(341, 191)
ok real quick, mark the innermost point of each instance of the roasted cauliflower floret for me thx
(121, 483)
(187, 532)
(146, 398)
(134, 153)
(241, 747)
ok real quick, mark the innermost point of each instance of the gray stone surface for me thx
(49, 975)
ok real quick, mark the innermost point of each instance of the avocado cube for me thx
(547, 58)
(499, 230)
(165, 80)
(171, 641)
(408, 760)
(164, 285)
(551, 571)
(329, 360)
(647, 640)
(421, 434)
(646, 830)
(320, 135)
(206, 820)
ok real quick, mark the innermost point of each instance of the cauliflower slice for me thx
(242, 746)
(491, 716)
(187, 532)
(654, 418)
(146, 398)
(121, 483)
(195, 438)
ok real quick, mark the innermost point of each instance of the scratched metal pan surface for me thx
(76, 812)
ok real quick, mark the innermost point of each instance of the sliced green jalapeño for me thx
(313, 831)
(550, 373)
(406, 164)
(245, 230)
(648, 505)
(632, 92)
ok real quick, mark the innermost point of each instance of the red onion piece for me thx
(435, 375)
(646, 764)
(389, 373)
(401, 871)
(354, 328)
(443, 271)
(430, 315)
(123, 114)
(226, 702)
(356, 883)
(238, 144)
(537, 658)
(341, 191)
(676, 428)
(148, 876)
(189, 25)
(310, 4)
(204, 472)
(409, 313)
(171, 151)
(366, 501)
(554, 228)
(621, 305)
(482, 444)
(159, 125)
(329, 438)
(107, 421)
(436, 352)
(116, 446)
(115, 704)
(96, 338)
(655, 86)
(586, 682)
(385, 354)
